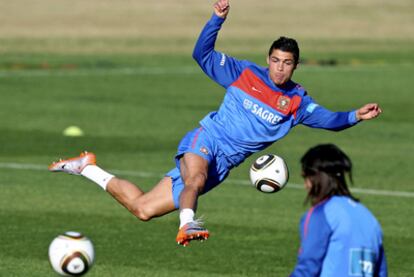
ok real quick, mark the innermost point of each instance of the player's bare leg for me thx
(156, 202)
(194, 174)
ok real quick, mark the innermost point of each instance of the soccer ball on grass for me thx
(269, 173)
(71, 254)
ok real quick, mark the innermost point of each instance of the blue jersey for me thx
(340, 237)
(255, 112)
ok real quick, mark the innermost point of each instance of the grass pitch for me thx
(133, 112)
(135, 92)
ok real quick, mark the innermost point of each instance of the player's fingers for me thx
(377, 110)
(374, 106)
(218, 6)
(369, 108)
(223, 5)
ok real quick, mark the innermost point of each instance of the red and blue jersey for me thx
(341, 238)
(255, 112)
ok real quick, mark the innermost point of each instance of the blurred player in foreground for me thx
(339, 235)
(260, 106)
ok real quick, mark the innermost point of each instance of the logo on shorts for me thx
(204, 150)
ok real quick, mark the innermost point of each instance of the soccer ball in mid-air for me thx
(71, 254)
(269, 173)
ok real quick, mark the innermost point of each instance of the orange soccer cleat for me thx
(74, 165)
(192, 231)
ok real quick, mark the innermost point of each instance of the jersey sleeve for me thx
(381, 267)
(220, 67)
(315, 234)
(382, 262)
(313, 115)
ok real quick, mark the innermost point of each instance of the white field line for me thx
(151, 70)
(143, 174)
(179, 70)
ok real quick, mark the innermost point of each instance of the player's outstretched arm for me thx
(220, 67)
(222, 8)
(368, 111)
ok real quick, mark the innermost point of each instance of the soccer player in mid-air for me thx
(260, 106)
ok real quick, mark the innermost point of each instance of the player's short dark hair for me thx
(287, 45)
(326, 166)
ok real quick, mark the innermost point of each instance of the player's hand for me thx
(221, 8)
(369, 111)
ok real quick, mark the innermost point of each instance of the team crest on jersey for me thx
(283, 103)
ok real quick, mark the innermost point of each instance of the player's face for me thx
(281, 66)
(308, 184)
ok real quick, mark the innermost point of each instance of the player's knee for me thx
(142, 215)
(196, 181)
(143, 211)
(138, 209)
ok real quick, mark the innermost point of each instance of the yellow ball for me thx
(73, 131)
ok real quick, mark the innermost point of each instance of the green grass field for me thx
(136, 99)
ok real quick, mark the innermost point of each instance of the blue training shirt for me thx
(255, 112)
(341, 238)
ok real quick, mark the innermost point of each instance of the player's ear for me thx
(267, 60)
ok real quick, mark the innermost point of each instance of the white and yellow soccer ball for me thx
(269, 173)
(71, 254)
